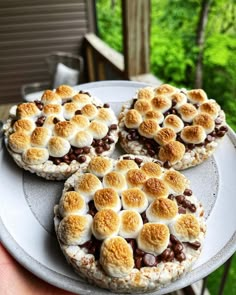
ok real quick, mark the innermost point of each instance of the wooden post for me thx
(136, 33)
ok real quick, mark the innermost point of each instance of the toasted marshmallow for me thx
(165, 89)
(161, 103)
(124, 166)
(155, 115)
(164, 136)
(72, 203)
(82, 139)
(40, 137)
(106, 116)
(90, 111)
(130, 224)
(172, 152)
(81, 99)
(19, 142)
(153, 238)
(115, 180)
(148, 128)
(65, 129)
(173, 122)
(87, 184)
(178, 99)
(50, 121)
(107, 198)
(151, 169)
(27, 110)
(24, 125)
(120, 264)
(58, 147)
(176, 181)
(35, 156)
(98, 129)
(80, 121)
(185, 227)
(75, 229)
(52, 109)
(69, 110)
(65, 91)
(106, 224)
(142, 106)
(133, 119)
(211, 108)
(145, 93)
(187, 112)
(136, 178)
(100, 166)
(134, 198)
(162, 210)
(193, 134)
(155, 188)
(206, 121)
(197, 96)
(50, 97)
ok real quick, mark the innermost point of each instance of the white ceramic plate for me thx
(26, 210)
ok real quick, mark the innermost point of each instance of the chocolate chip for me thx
(167, 164)
(171, 197)
(129, 137)
(149, 260)
(192, 208)
(178, 248)
(110, 140)
(181, 210)
(180, 199)
(81, 159)
(138, 161)
(139, 252)
(126, 158)
(144, 217)
(218, 121)
(72, 157)
(106, 105)
(65, 158)
(99, 150)
(106, 147)
(173, 239)
(188, 192)
(224, 128)
(165, 255)
(186, 203)
(180, 257)
(78, 112)
(171, 256)
(170, 245)
(132, 243)
(151, 152)
(86, 149)
(55, 120)
(57, 161)
(194, 245)
(220, 133)
(78, 151)
(138, 262)
(174, 102)
(209, 138)
(113, 127)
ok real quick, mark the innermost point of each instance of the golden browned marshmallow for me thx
(82, 139)
(173, 122)
(193, 134)
(130, 224)
(72, 203)
(65, 129)
(211, 108)
(142, 106)
(116, 257)
(162, 210)
(81, 99)
(52, 109)
(98, 129)
(106, 223)
(151, 169)
(24, 125)
(161, 103)
(134, 198)
(176, 181)
(65, 91)
(80, 121)
(106, 116)
(19, 142)
(100, 166)
(75, 229)
(40, 137)
(165, 89)
(50, 121)
(115, 180)
(153, 238)
(35, 156)
(155, 115)
(87, 184)
(107, 198)
(185, 227)
(124, 166)
(69, 110)
(58, 146)
(145, 93)
(197, 95)
(148, 128)
(50, 97)
(165, 135)
(27, 110)
(155, 188)
(206, 121)
(90, 111)
(187, 112)
(133, 119)
(178, 99)
(135, 178)
(172, 152)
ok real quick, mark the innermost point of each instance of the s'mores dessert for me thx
(179, 127)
